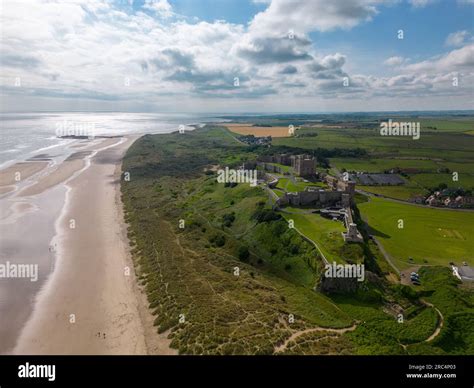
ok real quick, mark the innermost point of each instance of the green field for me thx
(372, 141)
(465, 180)
(288, 185)
(324, 232)
(430, 236)
(381, 165)
(283, 167)
(452, 145)
(403, 193)
(282, 183)
(458, 125)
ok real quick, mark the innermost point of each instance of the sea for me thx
(24, 135)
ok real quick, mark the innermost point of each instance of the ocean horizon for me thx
(25, 135)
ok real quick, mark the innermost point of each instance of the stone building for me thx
(304, 165)
(284, 159)
(314, 196)
(334, 183)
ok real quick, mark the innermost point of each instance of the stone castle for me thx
(303, 165)
(340, 193)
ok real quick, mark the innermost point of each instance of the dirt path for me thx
(284, 345)
(437, 330)
(314, 243)
(386, 255)
(440, 323)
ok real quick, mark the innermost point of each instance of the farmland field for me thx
(446, 145)
(249, 129)
(380, 165)
(465, 180)
(429, 236)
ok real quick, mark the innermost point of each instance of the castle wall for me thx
(314, 197)
(337, 285)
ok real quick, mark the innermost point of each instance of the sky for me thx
(236, 56)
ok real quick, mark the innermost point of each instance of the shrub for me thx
(228, 219)
(243, 253)
(218, 240)
(265, 215)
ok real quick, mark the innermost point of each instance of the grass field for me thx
(282, 167)
(459, 125)
(404, 193)
(430, 236)
(447, 145)
(381, 165)
(324, 232)
(292, 187)
(465, 180)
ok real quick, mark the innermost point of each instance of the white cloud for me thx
(458, 59)
(420, 3)
(457, 38)
(83, 50)
(394, 61)
(303, 16)
(161, 7)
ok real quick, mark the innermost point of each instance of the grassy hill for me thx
(224, 274)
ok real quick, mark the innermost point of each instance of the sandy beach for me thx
(91, 303)
(20, 171)
(59, 175)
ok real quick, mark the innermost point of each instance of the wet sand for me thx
(91, 304)
(19, 172)
(64, 171)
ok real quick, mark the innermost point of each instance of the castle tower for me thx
(304, 165)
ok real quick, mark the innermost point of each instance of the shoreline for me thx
(88, 305)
